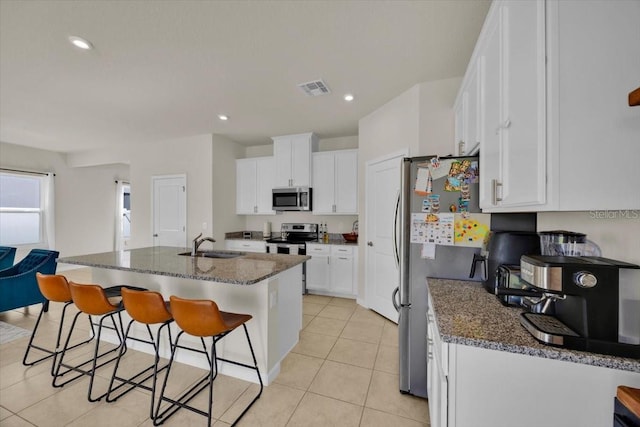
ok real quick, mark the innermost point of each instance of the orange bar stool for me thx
(202, 318)
(147, 308)
(93, 301)
(54, 288)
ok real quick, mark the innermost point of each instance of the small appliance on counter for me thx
(266, 230)
(506, 248)
(584, 293)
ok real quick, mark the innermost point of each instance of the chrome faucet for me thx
(198, 241)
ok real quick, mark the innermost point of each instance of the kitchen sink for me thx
(214, 254)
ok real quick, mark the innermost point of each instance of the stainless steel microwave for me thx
(292, 199)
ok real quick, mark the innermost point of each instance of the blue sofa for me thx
(7, 255)
(18, 285)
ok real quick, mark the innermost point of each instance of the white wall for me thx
(223, 162)
(84, 201)
(420, 120)
(191, 156)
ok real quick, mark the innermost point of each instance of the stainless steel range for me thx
(293, 241)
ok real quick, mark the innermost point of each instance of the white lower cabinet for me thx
(437, 387)
(332, 269)
(246, 245)
(471, 386)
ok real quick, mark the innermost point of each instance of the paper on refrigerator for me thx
(432, 228)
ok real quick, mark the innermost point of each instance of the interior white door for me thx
(381, 269)
(170, 210)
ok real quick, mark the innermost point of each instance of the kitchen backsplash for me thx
(335, 223)
(616, 232)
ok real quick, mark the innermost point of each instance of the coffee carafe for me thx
(585, 295)
(567, 243)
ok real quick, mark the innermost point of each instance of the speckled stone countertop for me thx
(247, 269)
(467, 314)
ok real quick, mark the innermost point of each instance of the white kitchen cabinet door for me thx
(265, 175)
(292, 155)
(466, 112)
(346, 182)
(342, 270)
(318, 268)
(460, 120)
(254, 184)
(595, 135)
(323, 182)
(335, 182)
(513, 96)
(246, 190)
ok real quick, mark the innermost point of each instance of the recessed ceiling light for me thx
(81, 43)
(223, 117)
(348, 97)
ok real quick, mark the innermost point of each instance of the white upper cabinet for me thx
(335, 182)
(511, 69)
(467, 110)
(554, 127)
(292, 154)
(254, 184)
(594, 135)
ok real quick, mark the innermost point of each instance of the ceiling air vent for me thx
(314, 88)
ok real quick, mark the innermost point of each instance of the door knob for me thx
(155, 235)
(369, 243)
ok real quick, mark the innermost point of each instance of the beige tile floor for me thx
(343, 372)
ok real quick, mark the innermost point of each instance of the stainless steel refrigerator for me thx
(450, 262)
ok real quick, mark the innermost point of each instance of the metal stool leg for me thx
(51, 353)
(135, 381)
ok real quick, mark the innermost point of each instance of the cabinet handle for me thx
(343, 258)
(494, 192)
(334, 208)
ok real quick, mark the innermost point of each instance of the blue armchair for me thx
(7, 255)
(18, 285)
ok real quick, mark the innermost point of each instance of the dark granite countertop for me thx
(247, 269)
(467, 314)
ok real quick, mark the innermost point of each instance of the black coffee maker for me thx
(585, 295)
(505, 248)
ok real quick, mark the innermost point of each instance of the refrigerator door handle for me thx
(394, 299)
(395, 231)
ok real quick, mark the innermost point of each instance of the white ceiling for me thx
(166, 69)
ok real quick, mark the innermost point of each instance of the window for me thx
(21, 209)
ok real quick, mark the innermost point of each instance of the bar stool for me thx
(54, 288)
(93, 301)
(147, 308)
(202, 318)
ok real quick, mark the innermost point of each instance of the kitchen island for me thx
(487, 370)
(266, 286)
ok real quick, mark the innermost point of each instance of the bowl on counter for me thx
(350, 237)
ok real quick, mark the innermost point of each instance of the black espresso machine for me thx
(584, 292)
